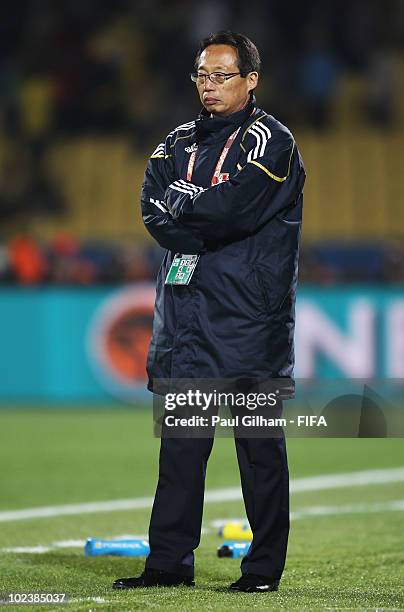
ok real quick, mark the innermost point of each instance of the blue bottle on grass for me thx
(233, 549)
(122, 548)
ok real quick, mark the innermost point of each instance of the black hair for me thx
(248, 56)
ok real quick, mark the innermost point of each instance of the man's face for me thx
(231, 96)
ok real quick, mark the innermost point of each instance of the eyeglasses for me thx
(215, 77)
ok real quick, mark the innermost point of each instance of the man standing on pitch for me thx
(225, 190)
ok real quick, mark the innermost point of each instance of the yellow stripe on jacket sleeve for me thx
(273, 176)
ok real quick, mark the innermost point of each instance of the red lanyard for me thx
(217, 175)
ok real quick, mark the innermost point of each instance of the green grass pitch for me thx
(349, 556)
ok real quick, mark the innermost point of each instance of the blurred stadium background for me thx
(88, 90)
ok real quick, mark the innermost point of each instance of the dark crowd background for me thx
(89, 88)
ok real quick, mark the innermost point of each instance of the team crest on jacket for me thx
(223, 176)
(192, 148)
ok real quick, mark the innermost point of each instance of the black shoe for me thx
(251, 583)
(152, 578)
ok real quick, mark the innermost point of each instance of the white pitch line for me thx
(66, 544)
(349, 479)
(73, 509)
(307, 512)
(298, 485)
(69, 544)
(396, 505)
(27, 549)
(391, 506)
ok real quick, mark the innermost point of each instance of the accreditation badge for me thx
(181, 269)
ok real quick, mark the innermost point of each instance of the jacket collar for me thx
(210, 130)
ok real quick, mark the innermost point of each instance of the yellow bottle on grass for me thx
(236, 531)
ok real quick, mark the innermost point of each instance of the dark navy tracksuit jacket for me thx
(236, 317)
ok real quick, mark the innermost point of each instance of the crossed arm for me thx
(170, 233)
(187, 216)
